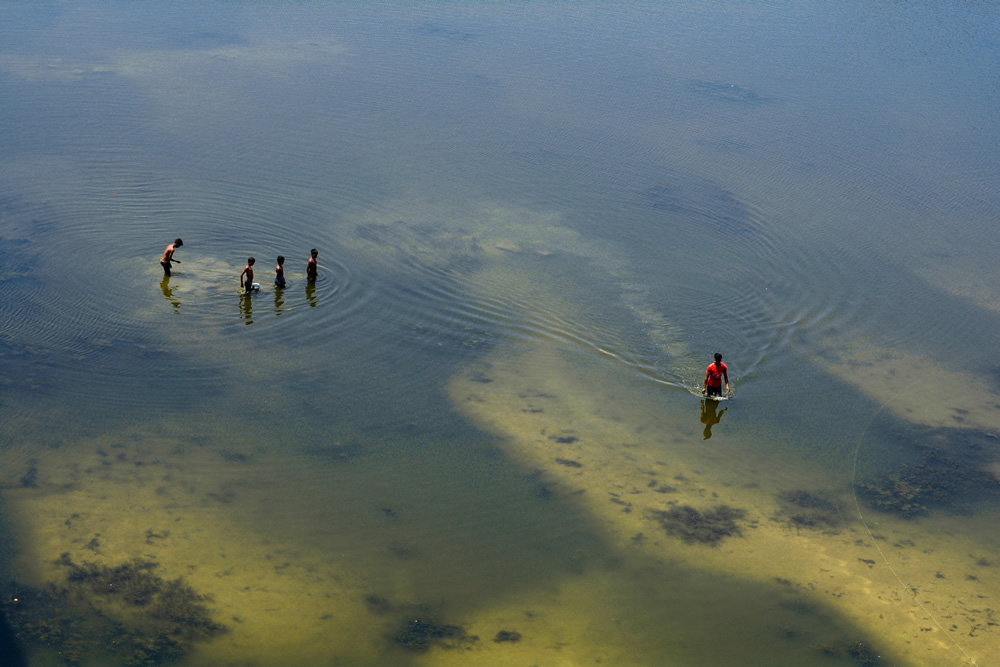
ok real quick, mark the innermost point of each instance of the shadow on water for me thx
(679, 613)
(11, 651)
(687, 617)
(461, 526)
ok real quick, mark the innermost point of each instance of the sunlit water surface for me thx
(479, 437)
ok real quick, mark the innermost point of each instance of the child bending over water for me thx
(247, 284)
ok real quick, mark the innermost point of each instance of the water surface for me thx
(479, 436)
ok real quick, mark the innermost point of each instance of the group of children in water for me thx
(246, 278)
(714, 376)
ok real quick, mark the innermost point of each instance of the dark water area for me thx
(479, 435)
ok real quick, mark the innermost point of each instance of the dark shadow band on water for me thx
(913, 471)
(464, 527)
(11, 648)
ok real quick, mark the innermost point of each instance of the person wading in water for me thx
(168, 256)
(714, 376)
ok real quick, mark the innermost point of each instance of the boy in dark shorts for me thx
(279, 272)
(713, 377)
(248, 272)
(311, 267)
(168, 256)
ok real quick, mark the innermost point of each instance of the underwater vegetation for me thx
(122, 614)
(939, 480)
(861, 653)
(417, 628)
(708, 527)
(29, 480)
(420, 634)
(803, 509)
(813, 626)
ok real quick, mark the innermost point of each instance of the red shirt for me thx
(714, 374)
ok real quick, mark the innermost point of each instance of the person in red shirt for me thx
(714, 376)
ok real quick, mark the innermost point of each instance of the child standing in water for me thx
(248, 272)
(311, 268)
(279, 272)
(168, 256)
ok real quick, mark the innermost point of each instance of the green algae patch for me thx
(946, 470)
(810, 510)
(136, 551)
(124, 613)
(709, 527)
(937, 481)
(420, 634)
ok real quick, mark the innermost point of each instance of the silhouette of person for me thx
(246, 310)
(311, 293)
(168, 293)
(708, 416)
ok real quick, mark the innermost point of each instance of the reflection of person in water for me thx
(279, 301)
(246, 311)
(168, 293)
(311, 293)
(708, 416)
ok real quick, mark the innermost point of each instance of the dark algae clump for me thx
(378, 605)
(803, 509)
(29, 479)
(122, 615)
(419, 634)
(860, 653)
(897, 493)
(131, 582)
(945, 471)
(708, 527)
(937, 481)
(417, 627)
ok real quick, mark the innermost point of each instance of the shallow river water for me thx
(479, 437)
